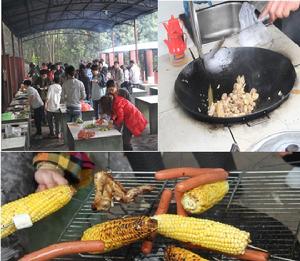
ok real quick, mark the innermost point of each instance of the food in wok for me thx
(235, 104)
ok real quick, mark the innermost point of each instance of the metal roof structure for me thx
(131, 47)
(26, 17)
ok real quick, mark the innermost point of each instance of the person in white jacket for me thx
(134, 73)
(52, 106)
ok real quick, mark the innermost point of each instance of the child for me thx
(52, 106)
(123, 111)
(114, 90)
(37, 105)
(98, 89)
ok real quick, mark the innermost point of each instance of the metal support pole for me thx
(14, 64)
(136, 41)
(4, 89)
(2, 35)
(13, 44)
(113, 42)
(21, 54)
(19, 47)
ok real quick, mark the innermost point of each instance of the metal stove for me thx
(283, 141)
(258, 201)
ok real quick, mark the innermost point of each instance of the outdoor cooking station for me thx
(258, 201)
(110, 140)
(12, 119)
(65, 118)
(194, 135)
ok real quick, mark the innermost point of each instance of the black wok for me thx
(271, 73)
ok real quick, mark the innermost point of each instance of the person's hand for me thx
(48, 178)
(279, 9)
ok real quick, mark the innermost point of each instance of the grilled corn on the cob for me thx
(173, 253)
(204, 197)
(37, 206)
(120, 232)
(202, 232)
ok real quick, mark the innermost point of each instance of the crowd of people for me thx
(108, 89)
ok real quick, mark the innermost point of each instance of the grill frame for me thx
(244, 189)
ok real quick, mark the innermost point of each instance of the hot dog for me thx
(164, 202)
(205, 178)
(249, 255)
(178, 196)
(162, 208)
(254, 255)
(184, 172)
(65, 248)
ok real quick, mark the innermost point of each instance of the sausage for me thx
(65, 248)
(184, 172)
(162, 208)
(178, 196)
(254, 255)
(249, 255)
(147, 246)
(196, 181)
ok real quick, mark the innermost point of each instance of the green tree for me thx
(72, 45)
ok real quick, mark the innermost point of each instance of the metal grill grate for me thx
(259, 202)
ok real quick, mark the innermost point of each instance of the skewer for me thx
(273, 256)
(257, 248)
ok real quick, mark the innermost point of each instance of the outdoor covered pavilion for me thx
(24, 19)
(28, 17)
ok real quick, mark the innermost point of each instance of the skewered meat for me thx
(237, 103)
(107, 190)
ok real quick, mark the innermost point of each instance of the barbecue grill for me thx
(258, 201)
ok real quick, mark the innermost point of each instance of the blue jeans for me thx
(96, 107)
(74, 113)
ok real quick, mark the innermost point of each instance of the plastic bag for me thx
(85, 106)
(253, 32)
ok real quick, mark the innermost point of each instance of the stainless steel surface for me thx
(282, 141)
(270, 207)
(219, 21)
(195, 28)
(251, 29)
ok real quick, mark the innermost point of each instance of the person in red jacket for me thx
(123, 111)
(51, 73)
